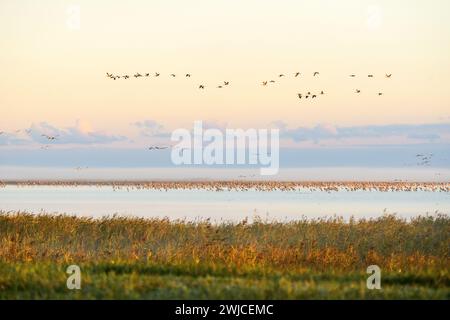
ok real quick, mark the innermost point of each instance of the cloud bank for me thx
(81, 133)
(411, 133)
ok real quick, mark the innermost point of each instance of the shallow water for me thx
(224, 205)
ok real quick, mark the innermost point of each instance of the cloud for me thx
(7, 138)
(212, 124)
(411, 132)
(81, 133)
(151, 128)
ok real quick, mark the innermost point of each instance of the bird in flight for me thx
(201, 86)
(313, 96)
(358, 91)
(226, 83)
(380, 93)
(297, 74)
(173, 75)
(352, 75)
(370, 76)
(316, 74)
(147, 74)
(388, 75)
(281, 75)
(156, 74)
(137, 75)
(264, 83)
(321, 92)
(49, 137)
(157, 148)
(188, 75)
(272, 81)
(126, 76)
(220, 87)
(299, 95)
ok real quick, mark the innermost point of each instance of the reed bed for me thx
(158, 258)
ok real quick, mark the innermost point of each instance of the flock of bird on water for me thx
(246, 185)
(225, 83)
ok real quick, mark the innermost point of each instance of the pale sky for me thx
(54, 72)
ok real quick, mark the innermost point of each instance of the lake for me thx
(231, 205)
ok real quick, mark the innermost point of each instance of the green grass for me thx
(127, 258)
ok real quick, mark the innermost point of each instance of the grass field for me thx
(160, 259)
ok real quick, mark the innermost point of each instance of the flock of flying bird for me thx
(227, 83)
(423, 160)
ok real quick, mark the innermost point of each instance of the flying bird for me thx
(156, 74)
(388, 75)
(352, 75)
(272, 81)
(173, 75)
(49, 137)
(226, 83)
(220, 87)
(157, 148)
(299, 95)
(380, 93)
(188, 75)
(316, 74)
(297, 74)
(358, 91)
(264, 83)
(313, 96)
(321, 92)
(281, 75)
(147, 74)
(370, 76)
(201, 86)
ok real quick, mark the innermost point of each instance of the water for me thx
(224, 205)
(189, 174)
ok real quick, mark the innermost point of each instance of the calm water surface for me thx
(224, 205)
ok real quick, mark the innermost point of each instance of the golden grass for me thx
(160, 259)
(323, 244)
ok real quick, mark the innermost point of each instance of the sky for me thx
(55, 54)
